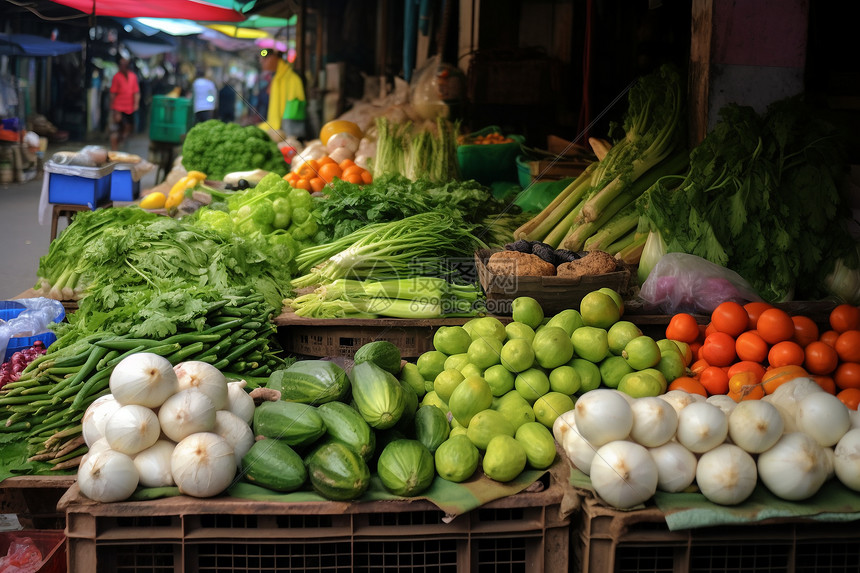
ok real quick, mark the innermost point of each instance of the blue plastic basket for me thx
(9, 309)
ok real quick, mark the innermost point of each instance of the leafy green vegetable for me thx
(217, 148)
(417, 152)
(762, 198)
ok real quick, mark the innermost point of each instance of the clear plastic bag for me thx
(35, 319)
(686, 283)
(23, 557)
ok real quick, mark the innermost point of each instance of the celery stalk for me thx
(541, 225)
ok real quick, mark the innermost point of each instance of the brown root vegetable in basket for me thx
(514, 263)
(593, 263)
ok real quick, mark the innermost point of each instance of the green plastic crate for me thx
(170, 119)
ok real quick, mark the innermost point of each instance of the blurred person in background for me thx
(227, 101)
(286, 96)
(124, 102)
(204, 95)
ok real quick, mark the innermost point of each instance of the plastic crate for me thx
(51, 544)
(326, 337)
(525, 532)
(490, 163)
(9, 309)
(608, 540)
(78, 185)
(123, 187)
(170, 119)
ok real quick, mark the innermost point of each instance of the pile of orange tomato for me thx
(314, 174)
(747, 351)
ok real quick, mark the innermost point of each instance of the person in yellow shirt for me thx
(286, 107)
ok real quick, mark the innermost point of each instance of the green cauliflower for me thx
(218, 148)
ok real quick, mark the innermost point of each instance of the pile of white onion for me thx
(793, 441)
(164, 426)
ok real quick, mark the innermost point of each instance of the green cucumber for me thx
(310, 382)
(344, 424)
(294, 423)
(273, 464)
(431, 427)
(378, 395)
(337, 472)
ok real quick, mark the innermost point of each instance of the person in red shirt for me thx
(124, 102)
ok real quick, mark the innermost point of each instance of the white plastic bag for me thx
(35, 319)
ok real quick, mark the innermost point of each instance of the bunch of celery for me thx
(414, 297)
(597, 210)
(422, 153)
(420, 245)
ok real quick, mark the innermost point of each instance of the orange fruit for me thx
(845, 317)
(785, 353)
(848, 346)
(805, 330)
(820, 358)
(750, 346)
(366, 177)
(689, 385)
(775, 325)
(346, 163)
(850, 397)
(328, 171)
(755, 368)
(730, 317)
(847, 375)
(776, 377)
(317, 184)
(684, 327)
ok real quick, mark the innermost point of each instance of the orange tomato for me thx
(754, 368)
(829, 337)
(845, 317)
(775, 377)
(684, 327)
(850, 397)
(324, 160)
(689, 385)
(317, 184)
(754, 310)
(848, 346)
(826, 382)
(308, 169)
(747, 392)
(847, 375)
(719, 349)
(805, 330)
(750, 346)
(785, 353)
(302, 183)
(715, 380)
(775, 325)
(291, 177)
(730, 317)
(346, 163)
(352, 169)
(354, 178)
(820, 358)
(329, 171)
(697, 366)
(709, 328)
(366, 177)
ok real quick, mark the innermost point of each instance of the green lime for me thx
(619, 334)
(514, 408)
(431, 363)
(641, 352)
(591, 343)
(456, 459)
(640, 384)
(469, 397)
(487, 424)
(457, 361)
(569, 319)
(671, 365)
(517, 355)
(470, 369)
(614, 296)
(612, 370)
(445, 383)
(550, 406)
(488, 327)
(589, 374)
(485, 351)
(659, 376)
(504, 459)
(500, 379)
(564, 379)
(527, 310)
(599, 309)
(433, 399)
(451, 340)
(532, 384)
(519, 330)
(552, 347)
(411, 376)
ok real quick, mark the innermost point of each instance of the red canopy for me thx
(183, 9)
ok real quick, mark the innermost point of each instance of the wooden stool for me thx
(67, 210)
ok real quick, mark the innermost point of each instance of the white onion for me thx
(795, 468)
(823, 416)
(206, 378)
(107, 476)
(603, 416)
(132, 429)
(239, 401)
(143, 378)
(855, 418)
(786, 396)
(755, 426)
(623, 474)
(702, 427)
(99, 445)
(846, 459)
(236, 431)
(726, 474)
(676, 466)
(563, 424)
(186, 412)
(654, 421)
(829, 462)
(680, 399)
(153, 464)
(723, 402)
(95, 416)
(203, 464)
(578, 450)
